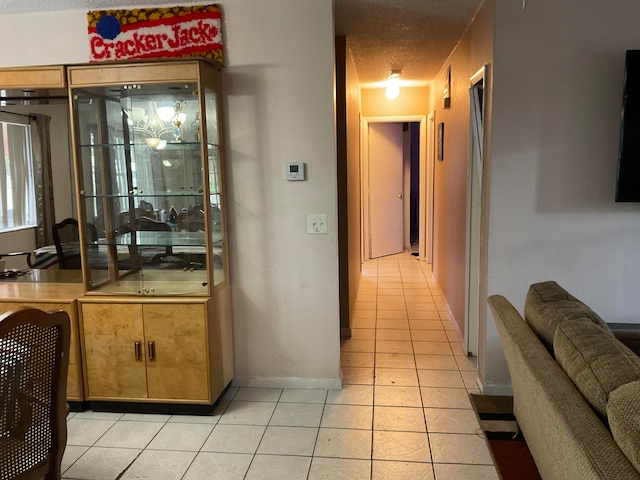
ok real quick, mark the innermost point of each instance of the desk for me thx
(54, 284)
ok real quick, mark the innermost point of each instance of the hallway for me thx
(403, 412)
(405, 353)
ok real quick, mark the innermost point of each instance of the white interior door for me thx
(385, 189)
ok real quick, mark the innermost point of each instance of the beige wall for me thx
(558, 81)
(412, 101)
(354, 192)
(450, 195)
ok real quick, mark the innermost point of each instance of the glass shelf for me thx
(168, 146)
(154, 195)
(162, 239)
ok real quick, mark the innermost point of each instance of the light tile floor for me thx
(403, 412)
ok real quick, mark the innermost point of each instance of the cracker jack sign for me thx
(155, 33)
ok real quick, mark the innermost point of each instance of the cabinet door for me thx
(114, 350)
(177, 360)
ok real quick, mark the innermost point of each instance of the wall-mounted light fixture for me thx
(393, 85)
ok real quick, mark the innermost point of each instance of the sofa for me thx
(576, 385)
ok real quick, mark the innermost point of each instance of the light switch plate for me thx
(317, 223)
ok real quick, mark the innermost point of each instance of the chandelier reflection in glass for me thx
(175, 116)
(158, 125)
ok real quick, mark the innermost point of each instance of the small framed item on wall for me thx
(441, 141)
(446, 96)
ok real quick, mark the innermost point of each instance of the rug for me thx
(508, 447)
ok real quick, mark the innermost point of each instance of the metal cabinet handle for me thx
(151, 347)
(137, 350)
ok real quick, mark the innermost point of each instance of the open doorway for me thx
(394, 190)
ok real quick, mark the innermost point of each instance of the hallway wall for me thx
(450, 200)
(354, 172)
(551, 148)
(412, 101)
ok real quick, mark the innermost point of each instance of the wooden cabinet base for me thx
(155, 407)
(169, 351)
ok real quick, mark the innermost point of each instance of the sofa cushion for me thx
(595, 361)
(623, 412)
(548, 304)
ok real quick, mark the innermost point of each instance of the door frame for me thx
(425, 223)
(473, 262)
(427, 161)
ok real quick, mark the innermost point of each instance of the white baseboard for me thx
(288, 382)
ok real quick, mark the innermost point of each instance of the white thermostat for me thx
(295, 171)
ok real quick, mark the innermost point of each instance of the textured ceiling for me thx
(414, 36)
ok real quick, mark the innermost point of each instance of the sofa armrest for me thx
(630, 338)
(556, 421)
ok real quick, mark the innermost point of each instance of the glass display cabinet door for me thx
(215, 186)
(146, 188)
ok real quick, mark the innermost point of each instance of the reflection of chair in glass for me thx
(67, 240)
(192, 221)
(34, 356)
(149, 224)
(125, 217)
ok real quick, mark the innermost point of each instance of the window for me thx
(17, 189)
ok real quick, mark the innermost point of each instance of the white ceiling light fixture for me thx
(393, 85)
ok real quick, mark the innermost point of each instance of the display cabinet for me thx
(155, 319)
(149, 175)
